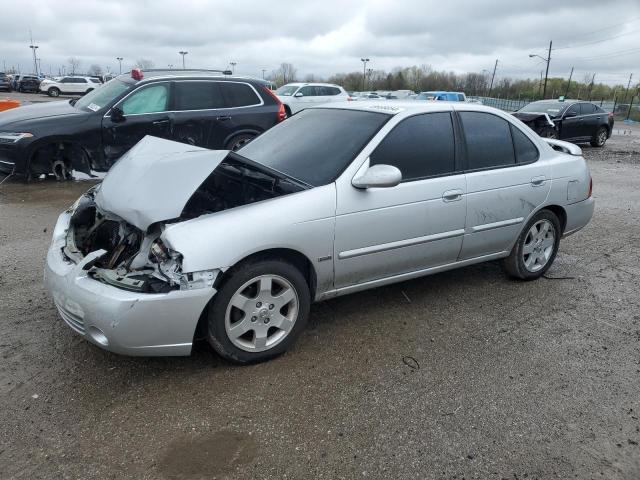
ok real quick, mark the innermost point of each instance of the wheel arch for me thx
(50, 142)
(250, 130)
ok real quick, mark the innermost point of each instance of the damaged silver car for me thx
(180, 241)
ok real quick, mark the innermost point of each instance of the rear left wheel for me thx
(536, 247)
(239, 141)
(600, 137)
(258, 312)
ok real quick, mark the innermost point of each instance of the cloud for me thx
(330, 36)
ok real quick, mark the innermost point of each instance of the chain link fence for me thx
(621, 111)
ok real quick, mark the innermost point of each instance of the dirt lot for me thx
(500, 379)
(29, 98)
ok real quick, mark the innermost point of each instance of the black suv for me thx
(203, 108)
(571, 120)
(28, 83)
(5, 83)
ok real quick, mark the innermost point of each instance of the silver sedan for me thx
(180, 241)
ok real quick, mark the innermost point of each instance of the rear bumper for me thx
(578, 215)
(124, 322)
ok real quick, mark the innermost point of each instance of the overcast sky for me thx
(328, 36)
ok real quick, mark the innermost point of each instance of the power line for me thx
(619, 53)
(635, 19)
(597, 41)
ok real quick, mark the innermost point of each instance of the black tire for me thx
(53, 92)
(515, 265)
(600, 138)
(216, 332)
(549, 132)
(239, 141)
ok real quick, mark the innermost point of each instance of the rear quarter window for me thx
(239, 94)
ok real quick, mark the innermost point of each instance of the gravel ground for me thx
(29, 98)
(465, 374)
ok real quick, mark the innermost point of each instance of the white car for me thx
(297, 96)
(68, 85)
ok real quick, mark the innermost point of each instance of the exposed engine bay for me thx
(138, 260)
(540, 123)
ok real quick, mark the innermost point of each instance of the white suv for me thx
(297, 96)
(69, 84)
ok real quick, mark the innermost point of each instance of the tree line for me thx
(425, 78)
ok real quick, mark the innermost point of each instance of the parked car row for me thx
(90, 133)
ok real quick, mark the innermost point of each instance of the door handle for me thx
(537, 181)
(452, 195)
(223, 118)
(161, 122)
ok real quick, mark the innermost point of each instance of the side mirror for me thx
(378, 176)
(298, 95)
(117, 115)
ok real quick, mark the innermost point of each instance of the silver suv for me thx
(333, 200)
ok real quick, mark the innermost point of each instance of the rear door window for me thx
(308, 91)
(488, 138)
(197, 95)
(420, 146)
(526, 151)
(238, 94)
(587, 108)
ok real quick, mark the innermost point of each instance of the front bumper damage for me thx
(116, 319)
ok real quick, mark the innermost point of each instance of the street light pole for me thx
(35, 61)
(183, 53)
(233, 67)
(546, 75)
(263, 70)
(120, 62)
(364, 71)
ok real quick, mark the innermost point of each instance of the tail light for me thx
(349, 98)
(590, 187)
(282, 113)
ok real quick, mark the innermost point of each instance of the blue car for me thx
(442, 96)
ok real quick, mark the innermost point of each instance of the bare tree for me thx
(95, 69)
(74, 64)
(144, 64)
(286, 73)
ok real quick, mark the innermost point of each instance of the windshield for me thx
(287, 90)
(552, 109)
(103, 95)
(315, 145)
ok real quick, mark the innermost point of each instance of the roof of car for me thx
(195, 73)
(313, 84)
(393, 107)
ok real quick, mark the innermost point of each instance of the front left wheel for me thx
(258, 311)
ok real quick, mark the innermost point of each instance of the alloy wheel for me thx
(261, 313)
(539, 245)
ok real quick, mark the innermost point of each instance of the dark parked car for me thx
(28, 83)
(5, 82)
(570, 120)
(202, 108)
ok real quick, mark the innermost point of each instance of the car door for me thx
(199, 116)
(571, 123)
(591, 120)
(144, 112)
(310, 97)
(385, 232)
(243, 112)
(505, 182)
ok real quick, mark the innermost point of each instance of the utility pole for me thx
(566, 93)
(546, 75)
(630, 105)
(591, 85)
(628, 85)
(540, 83)
(495, 67)
(364, 71)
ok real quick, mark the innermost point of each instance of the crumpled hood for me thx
(15, 116)
(154, 180)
